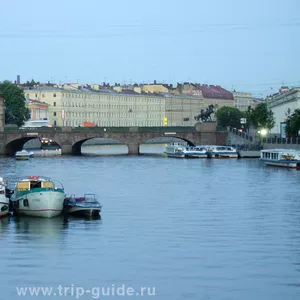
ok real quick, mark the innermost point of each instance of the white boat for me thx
(183, 150)
(4, 201)
(87, 206)
(287, 158)
(221, 152)
(38, 196)
(23, 155)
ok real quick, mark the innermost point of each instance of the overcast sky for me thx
(244, 45)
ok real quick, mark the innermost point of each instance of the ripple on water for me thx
(194, 229)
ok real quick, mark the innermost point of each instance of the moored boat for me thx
(88, 205)
(23, 155)
(221, 152)
(38, 196)
(4, 200)
(287, 158)
(183, 150)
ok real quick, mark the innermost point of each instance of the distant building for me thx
(243, 100)
(69, 106)
(283, 104)
(38, 110)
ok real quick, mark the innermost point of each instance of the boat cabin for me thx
(33, 182)
(279, 154)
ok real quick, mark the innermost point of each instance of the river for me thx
(182, 229)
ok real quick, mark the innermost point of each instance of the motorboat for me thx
(4, 200)
(288, 158)
(221, 152)
(86, 206)
(38, 196)
(183, 150)
(24, 155)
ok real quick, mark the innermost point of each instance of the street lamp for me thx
(263, 132)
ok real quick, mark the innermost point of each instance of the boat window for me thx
(25, 202)
(35, 184)
(47, 184)
(23, 185)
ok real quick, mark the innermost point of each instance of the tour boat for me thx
(83, 206)
(221, 152)
(287, 158)
(38, 196)
(4, 200)
(183, 150)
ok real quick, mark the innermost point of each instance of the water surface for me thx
(193, 229)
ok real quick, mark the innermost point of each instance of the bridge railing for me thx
(102, 129)
(242, 134)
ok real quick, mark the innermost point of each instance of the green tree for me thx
(31, 83)
(262, 117)
(229, 116)
(16, 111)
(293, 123)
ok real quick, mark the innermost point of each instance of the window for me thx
(54, 95)
(54, 123)
(54, 103)
(54, 114)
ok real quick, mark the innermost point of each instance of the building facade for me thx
(73, 107)
(38, 110)
(242, 100)
(283, 104)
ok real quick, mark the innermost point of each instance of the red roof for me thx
(215, 91)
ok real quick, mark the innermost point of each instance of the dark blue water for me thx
(191, 229)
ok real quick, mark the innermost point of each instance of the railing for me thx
(281, 141)
(102, 129)
(241, 134)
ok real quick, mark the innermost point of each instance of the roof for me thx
(215, 91)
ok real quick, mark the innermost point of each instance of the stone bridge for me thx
(71, 139)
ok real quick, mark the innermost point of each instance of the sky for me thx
(250, 46)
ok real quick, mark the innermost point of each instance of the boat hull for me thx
(283, 164)
(4, 206)
(22, 157)
(45, 204)
(176, 155)
(83, 211)
(186, 155)
(222, 155)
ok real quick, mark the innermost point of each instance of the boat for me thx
(4, 200)
(23, 155)
(287, 158)
(221, 152)
(183, 150)
(86, 206)
(38, 196)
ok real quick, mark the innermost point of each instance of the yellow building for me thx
(73, 107)
(38, 110)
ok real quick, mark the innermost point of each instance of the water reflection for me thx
(27, 228)
(4, 225)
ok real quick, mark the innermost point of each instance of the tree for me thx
(262, 117)
(229, 116)
(31, 83)
(293, 123)
(16, 111)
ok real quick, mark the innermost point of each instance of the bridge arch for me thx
(16, 145)
(168, 139)
(77, 146)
